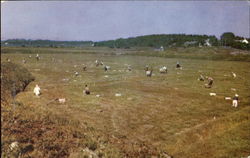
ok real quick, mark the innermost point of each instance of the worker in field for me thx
(105, 68)
(86, 90)
(235, 100)
(178, 66)
(210, 82)
(37, 57)
(129, 68)
(84, 68)
(76, 73)
(37, 90)
(149, 73)
(201, 78)
(97, 63)
(24, 61)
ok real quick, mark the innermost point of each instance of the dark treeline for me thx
(156, 41)
(45, 43)
(230, 40)
(227, 39)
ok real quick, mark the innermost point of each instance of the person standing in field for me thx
(24, 61)
(105, 68)
(37, 57)
(86, 90)
(97, 63)
(84, 68)
(235, 100)
(37, 90)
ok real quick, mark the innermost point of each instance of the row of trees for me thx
(170, 40)
(45, 43)
(154, 41)
(177, 40)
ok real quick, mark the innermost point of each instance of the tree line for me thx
(44, 43)
(156, 41)
(227, 39)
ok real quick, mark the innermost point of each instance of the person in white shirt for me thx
(235, 100)
(37, 57)
(37, 90)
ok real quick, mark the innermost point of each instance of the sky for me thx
(106, 20)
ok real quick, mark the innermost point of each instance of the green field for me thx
(172, 112)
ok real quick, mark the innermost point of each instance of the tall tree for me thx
(227, 38)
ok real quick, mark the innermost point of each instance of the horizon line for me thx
(112, 39)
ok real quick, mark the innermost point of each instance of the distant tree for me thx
(214, 41)
(227, 38)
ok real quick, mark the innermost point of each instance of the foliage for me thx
(229, 39)
(14, 78)
(152, 41)
(156, 41)
(45, 43)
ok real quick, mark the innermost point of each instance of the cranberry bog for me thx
(128, 114)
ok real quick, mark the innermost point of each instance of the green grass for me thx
(205, 53)
(170, 113)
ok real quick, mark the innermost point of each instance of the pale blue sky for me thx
(104, 20)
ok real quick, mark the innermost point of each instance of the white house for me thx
(161, 48)
(207, 43)
(190, 43)
(245, 41)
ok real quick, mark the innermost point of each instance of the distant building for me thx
(6, 43)
(190, 43)
(207, 43)
(160, 49)
(93, 44)
(243, 41)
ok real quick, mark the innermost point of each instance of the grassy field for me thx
(172, 113)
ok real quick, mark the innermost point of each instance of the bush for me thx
(14, 78)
